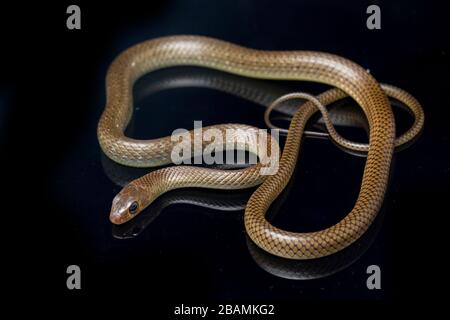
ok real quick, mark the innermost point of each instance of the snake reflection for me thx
(261, 93)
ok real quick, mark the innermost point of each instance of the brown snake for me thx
(349, 79)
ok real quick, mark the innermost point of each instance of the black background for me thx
(58, 197)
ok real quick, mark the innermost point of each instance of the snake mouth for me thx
(116, 218)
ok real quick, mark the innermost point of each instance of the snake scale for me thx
(347, 77)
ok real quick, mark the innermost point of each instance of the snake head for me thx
(126, 204)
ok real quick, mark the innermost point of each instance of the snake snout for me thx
(117, 218)
(119, 210)
(125, 205)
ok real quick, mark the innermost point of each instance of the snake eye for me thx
(133, 208)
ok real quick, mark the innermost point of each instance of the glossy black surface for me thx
(202, 246)
(196, 254)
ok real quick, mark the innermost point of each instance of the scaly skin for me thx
(282, 65)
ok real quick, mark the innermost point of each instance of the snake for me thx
(347, 77)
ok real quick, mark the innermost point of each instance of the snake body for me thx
(325, 68)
